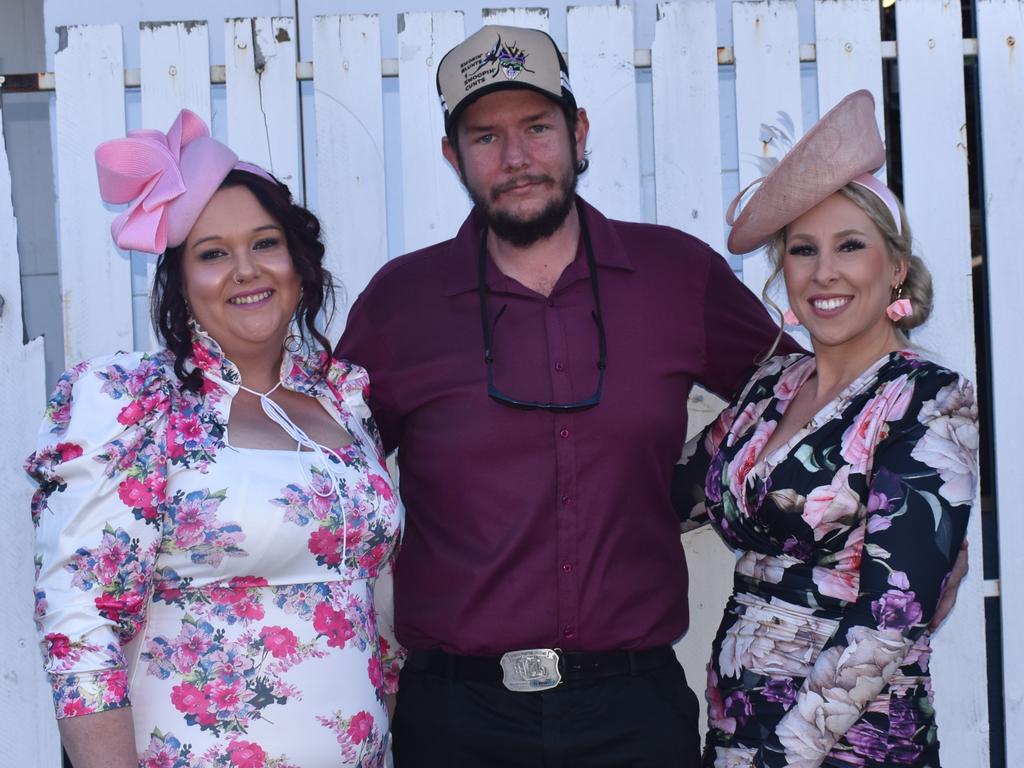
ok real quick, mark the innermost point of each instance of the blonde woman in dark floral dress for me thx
(844, 478)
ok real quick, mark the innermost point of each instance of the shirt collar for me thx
(609, 252)
(299, 373)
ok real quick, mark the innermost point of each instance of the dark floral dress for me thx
(846, 534)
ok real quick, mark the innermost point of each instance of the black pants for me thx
(646, 719)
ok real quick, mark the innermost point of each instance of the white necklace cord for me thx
(277, 414)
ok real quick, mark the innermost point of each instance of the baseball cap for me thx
(497, 58)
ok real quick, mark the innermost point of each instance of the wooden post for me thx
(350, 152)
(262, 95)
(929, 41)
(433, 201)
(1000, 41)
(28, 731)
(604, 83)
(95, 277)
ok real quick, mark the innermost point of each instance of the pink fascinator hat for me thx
(166, 179)
(843, 147)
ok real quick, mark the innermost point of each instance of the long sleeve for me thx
(923, 476)
(101, 473)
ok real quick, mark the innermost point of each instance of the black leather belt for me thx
(572, 665)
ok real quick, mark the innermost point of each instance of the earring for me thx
(790, 318)
(900, 307)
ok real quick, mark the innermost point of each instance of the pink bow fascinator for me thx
(167, 180)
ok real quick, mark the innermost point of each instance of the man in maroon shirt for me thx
(533, 373)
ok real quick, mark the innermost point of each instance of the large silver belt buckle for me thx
(535, 669)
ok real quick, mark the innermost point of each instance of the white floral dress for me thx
(209, 586)
(846, 534)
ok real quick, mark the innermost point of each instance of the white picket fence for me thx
(263, 125)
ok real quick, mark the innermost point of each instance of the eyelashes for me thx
(849, 245)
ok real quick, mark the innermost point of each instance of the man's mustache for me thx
(518, 181)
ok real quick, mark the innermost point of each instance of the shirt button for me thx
(566, 500)
(559, 366)
(568, 633)
(566, 567)
(563, 432)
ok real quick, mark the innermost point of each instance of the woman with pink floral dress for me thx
(843, 478)
(212, 518)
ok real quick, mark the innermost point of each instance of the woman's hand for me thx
(100, 740)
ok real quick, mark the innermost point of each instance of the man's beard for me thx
(523, 232)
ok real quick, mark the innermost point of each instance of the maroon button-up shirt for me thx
(534, 529)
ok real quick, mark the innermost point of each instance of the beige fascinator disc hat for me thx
(838, 149)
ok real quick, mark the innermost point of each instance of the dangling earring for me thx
(790, 318)
(900, 307)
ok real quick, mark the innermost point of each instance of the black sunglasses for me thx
(489, 331)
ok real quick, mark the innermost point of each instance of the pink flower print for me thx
(190, 646)
(870, 426)
(327, 545)
(188, 699)
(59, 645)
(381, 486)
(226, 694)
(790, 381)
(748, 416)
(75, 707)
(842, 579)
(67, 451)
(744, 461)
(114, 608)
(202, 358)
(375, 671)
(716, 707)
(116, 689)
(245, 754)
(360, 726)
(279, 641)
(833, 506)
(192, 517)
(137, 496)
(332, 624)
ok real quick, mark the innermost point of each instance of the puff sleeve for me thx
(100, 467)
(351, 385)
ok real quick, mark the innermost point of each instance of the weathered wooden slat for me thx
(174, 58)
(932, 115)
(29, 732)
(604, 83)
(849, 52)
(687, 150)
(1000, 40)
(534, 18)
(262, 95)
(688, 188)
(95, 277)
(350, 151)
(766, 45)
(433, 201)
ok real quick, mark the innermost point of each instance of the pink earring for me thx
(789, 318)
(900, 307)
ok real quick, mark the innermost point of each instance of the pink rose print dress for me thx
(845, 536)
(226, 594)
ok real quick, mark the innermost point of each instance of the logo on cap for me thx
(506, 59)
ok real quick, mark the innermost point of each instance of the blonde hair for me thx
(916, 286)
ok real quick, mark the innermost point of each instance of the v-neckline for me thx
(766, 463)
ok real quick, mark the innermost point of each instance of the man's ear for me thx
(582, 129)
